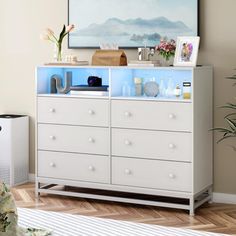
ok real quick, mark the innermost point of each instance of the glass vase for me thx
(57, 52)
(165, 62)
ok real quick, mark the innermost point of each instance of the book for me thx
(89, 88)
(64, 63)
(144, 62)
(143, 65)
(89, 93)
(139, 63)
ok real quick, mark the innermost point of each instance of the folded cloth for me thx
(9, 217)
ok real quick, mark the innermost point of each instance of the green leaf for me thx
(62, 33)
(221, 130)
(229, 105)
(229, 115)
(231, 77)
(223, 138)
(231, 124)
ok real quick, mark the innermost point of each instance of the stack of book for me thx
(138, 63)
(85, 90)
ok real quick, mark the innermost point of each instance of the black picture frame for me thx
(93, 47)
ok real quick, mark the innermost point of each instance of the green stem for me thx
(59, 53)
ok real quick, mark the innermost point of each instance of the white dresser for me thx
(150, 146)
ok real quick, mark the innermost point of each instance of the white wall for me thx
(21, 22)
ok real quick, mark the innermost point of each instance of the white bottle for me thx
(162, 88)
(126, 89)
(170, 88)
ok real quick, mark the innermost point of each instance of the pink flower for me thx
(69, 28)
(166, 48)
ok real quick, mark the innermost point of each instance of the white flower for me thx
(49, 32)
(44, 37)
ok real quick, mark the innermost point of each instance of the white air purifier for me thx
(14, 149)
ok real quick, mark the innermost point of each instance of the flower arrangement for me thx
(166, 48)
(49, 35)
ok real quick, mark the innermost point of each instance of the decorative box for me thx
(109, 58)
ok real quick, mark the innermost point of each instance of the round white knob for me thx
(91, 112)
(91, 140)
(91, 168)
(52, 137)
(127, 142)
(128, 172)
(52, 164)
(52, 110)
(127, 114)
(171, 116)
(171, 146)
(172, 176)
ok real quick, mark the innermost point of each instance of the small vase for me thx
(166, 63)
(57, 52)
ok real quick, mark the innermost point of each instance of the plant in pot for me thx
(230, 119)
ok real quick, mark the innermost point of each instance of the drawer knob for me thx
(91, 168)
(172, 176)
(128, 172)
(127, 114)
(128, 143)
(52, 164)
(91, 112)
(171, 116)
(91, 140)
(171, 146)
(52, 110)
(52, 137)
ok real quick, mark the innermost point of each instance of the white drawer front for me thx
(74, 167)
(174, 116)
(73, 111)
(152, 144)
(73, 139)
(173, 176)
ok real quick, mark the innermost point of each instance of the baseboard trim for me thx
(32, 178)
(217, 197)
(224, 198)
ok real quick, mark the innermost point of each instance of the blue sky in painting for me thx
(100, 10)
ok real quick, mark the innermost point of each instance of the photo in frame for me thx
(130, 23)
(186, 53)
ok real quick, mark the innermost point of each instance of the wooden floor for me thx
(220, 218)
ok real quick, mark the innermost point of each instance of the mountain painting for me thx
(130, 23)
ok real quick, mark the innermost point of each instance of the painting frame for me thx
(124, 47)
(186, 53)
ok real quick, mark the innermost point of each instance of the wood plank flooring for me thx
(220, 218)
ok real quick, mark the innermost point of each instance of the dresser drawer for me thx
(73, 139)
(73, 111)
(74, 167)
(174, 116)
(173, 176)
(160, 145)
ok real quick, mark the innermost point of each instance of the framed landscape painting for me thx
(130, 23)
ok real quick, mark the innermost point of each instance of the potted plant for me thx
(230, 119)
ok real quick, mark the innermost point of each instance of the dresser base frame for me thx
(195, 201)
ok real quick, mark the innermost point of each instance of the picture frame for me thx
(186, 53)
(132, 24)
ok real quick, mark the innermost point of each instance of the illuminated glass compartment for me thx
(119, 78)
